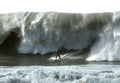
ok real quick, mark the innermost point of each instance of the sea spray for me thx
(40, 33)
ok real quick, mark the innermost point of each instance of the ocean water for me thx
(60, 74)
(89, 45)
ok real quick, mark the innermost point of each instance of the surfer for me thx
(58, 54)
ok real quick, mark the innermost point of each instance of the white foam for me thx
(56, 74)
(108, 46)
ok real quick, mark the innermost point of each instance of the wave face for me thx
(98, 34)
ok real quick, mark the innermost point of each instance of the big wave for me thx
(97, 34)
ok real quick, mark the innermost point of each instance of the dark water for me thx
(12, 59)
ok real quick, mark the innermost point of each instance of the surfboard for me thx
(53, 58)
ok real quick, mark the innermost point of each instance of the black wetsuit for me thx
(58, 54)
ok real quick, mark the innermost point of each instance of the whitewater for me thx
(90, 44)
(63, 74)
(96, 36)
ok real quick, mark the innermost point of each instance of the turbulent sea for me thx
(89, 44)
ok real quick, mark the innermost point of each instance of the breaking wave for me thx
(96, 34)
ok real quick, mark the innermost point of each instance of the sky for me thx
(72, 6)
